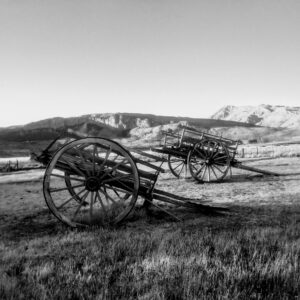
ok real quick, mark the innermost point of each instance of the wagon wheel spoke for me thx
(208, 150)
(176, 164)
(83, 158)
(179, 165)
(112, 169)
(108, 197)
(220, 158)
(117, 189)
(213, 169)
(93, 161)
(104, 161)
(176, 167)
(54, 190)
(70, 199)
(204, 149)
(126, 187)
(204, 172)
(208, 169)
(126, 195)
(91, 206)
(194, 168)
(115, 158)
(71, 178)
(200, 154)
(80, 205)
(73, 167)
(214, 152)
(181, 168)
(219, 169)
(201, 168)
(101, 203)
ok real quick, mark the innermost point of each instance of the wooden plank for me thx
(143, 153)
(161, 192)
(145, 163)
(193, 205)
(88, 166)
(182, 154)
(191, 129)
(209, 135)
(238, 165)
(171, 134)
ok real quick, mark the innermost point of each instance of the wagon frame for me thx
(208, 157)
(92, 181)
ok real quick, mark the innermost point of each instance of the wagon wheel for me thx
(209, 161)
(70, 187)
(72, 191)
(91, 181)
(176, 164)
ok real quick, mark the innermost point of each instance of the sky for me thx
(168, 57)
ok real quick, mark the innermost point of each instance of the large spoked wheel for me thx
(70, 187)
(209, 161)
(176, 165)
(91, 181)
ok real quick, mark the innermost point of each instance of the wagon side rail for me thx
(76, 161)
(230, 144)
(171, 139)
(94, 180)
(202, 134)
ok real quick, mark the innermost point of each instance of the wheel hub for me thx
(92, 184)
(208, 162)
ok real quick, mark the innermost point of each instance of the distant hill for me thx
(144, 130)
(117, 125)
(262, 115)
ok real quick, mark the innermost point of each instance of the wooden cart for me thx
(208, 157)
(96, 180)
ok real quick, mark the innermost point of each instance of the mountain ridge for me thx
(113, 125)
(146, 130)
(276, 116)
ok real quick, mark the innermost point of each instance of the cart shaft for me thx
(239, 165)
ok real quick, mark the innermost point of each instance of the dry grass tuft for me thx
(207, 257)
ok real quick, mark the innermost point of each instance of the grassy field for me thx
(252, 252)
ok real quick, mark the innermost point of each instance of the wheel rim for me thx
(70, 186)
(176, 165)
(209, 161)
(91, 181)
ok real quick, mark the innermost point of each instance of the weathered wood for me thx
(137, 160)
(239, 165)
(143, 153)
(198, 206)
(210, 136)
(145, 163)
(88, 165)
(172, 151)
(181, 198)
